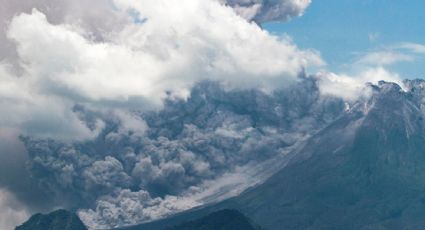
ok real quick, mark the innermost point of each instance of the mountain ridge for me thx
(363, 171)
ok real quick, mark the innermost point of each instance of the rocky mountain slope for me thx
(366, 170)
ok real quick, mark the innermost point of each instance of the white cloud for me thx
(105, 21)
(353, 87)
(413, 47)
(391, 54)
(98, 24)
(179, 44)
(35, 113)
(382, 58)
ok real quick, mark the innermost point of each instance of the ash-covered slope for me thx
(366, 170)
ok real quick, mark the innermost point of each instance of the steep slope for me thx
(57, 220)
(366, 170)
(223, 220)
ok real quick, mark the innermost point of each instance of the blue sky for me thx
(345, 30)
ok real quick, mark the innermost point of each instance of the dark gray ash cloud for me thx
(188, 143)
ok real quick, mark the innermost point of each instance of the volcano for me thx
(365, 170)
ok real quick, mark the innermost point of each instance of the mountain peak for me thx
(414, 84)
(364, 170)
(57, 220)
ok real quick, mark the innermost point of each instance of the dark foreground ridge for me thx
(57, 220)
(226, 219)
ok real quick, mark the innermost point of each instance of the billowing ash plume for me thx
(73, 73)
(161, 55)
(125, 177)
(124, 119)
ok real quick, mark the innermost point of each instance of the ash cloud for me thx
(122, 178)
(139, 116)
(137, 66)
